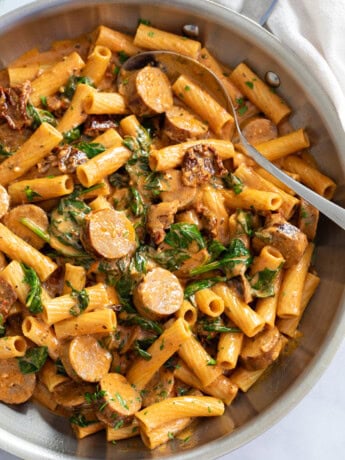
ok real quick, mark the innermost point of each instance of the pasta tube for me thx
(171, 156)
(63, 307)
(154, 39)
(94, 322)
(259, 93)
(172, 409)
(41, 142)
(43, 189)
(290, 295)
(197, 359)
(102, 165)
(39, 333)
(18, 249)
(97, 63)
(172, 339)
(12, 347)
(204, 105)
(51, 81)
(238, 311)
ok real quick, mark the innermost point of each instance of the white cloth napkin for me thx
(314, 30)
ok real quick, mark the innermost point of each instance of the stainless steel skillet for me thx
(32, 432)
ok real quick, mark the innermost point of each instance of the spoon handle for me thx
(328, 208)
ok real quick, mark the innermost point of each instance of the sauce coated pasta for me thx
(149, 270)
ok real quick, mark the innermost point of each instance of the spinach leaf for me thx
(2, 326)
(91, 148)
(39, 116)
(71, 135)
(72, 83)
(4, 153)
(262, 283)
(33, 360)
(182, 235)
(216, 325)
(119, 179)
(137, 205)
(171, 259)
(82, 300)
(233, 182)
(33, 299)
(245, 219)
(143, 353)
(196, 286)
(215, 249)
(236, 253)
(147, 324)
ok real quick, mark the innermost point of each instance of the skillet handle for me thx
(258, 11)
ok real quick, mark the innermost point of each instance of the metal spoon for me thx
(174, 64)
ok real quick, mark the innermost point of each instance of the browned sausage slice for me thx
(159, 294)
(180, 125)
(72, 394)
(109, 234)
(7, 297)
(84, 359)
(15, 387)
(174, 189)
(118, 400)
(260, 351)
(287, 238)
(148, 92)
(35, 214)
(258, 130)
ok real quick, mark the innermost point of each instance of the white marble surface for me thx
(314, 430)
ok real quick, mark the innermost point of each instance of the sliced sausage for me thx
(15, 387)
(72, 394)
(84, 359)
(109, 234)
(180, 125)
(174, 189)
(35, 214)
(119, 399)
(159, 217)
(159, 294)
(308, 219)
(259, 129)
(7, 297)
(287, 238)
(260, 351)
(160, 387)
(4, 201)
(148, 92)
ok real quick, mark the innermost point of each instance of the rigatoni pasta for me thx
(159, 272)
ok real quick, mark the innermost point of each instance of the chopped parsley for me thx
(250, 84)
(123, 56)
(30, 194)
